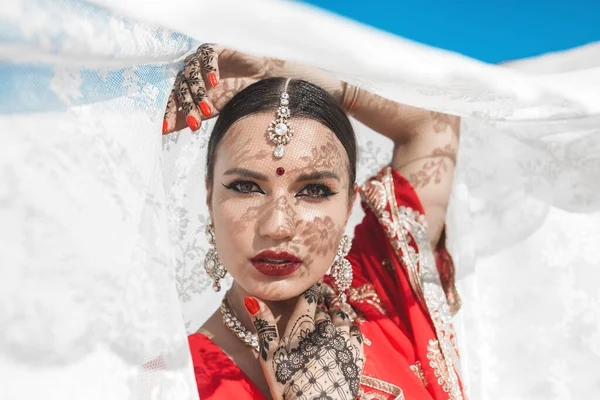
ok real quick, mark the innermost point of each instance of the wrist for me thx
(350, 98)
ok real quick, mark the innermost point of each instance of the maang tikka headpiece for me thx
(280, 132)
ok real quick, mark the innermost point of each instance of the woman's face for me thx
(277, 234)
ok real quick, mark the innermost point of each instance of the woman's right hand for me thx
(209, 79)
(319, 356)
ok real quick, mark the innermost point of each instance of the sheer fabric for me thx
(102, 220)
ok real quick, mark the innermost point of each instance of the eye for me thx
(244, 187)
(315, 191)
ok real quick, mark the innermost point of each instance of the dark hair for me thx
(306, 101)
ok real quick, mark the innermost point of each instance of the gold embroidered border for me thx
(380, 385)
(437, 362)
(407, 231)
(367, 294)
(418, 371)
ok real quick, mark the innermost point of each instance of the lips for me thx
(273, 263)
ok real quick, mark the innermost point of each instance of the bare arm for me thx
(425, 147)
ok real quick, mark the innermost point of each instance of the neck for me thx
(282, 310)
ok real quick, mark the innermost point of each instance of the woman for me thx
(281, 170)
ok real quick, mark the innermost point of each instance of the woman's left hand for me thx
(209, 79)
(320, 354)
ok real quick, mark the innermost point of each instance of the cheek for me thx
(235, 221)
(320, 231)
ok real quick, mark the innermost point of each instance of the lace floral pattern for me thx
(102, 224)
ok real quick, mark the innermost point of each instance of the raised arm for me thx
(425, 147)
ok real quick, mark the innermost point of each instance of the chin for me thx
(278, 290)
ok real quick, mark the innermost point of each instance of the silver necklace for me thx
(231, 322)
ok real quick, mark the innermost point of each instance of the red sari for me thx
(401, 303)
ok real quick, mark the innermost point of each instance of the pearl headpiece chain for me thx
(280, 131)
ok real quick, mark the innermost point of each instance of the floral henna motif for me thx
(324, 364)
(338, 312)
(170, 107)
(266, 333)
(207, 54)
(312, 293)
(356, 333)
(183, 93)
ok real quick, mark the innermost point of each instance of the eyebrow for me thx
(318, 175)
(246, 173)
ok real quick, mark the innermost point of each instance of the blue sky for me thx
(491, 31)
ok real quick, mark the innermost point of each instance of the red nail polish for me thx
(205, 108)
(251, 305)
(212, 79)
(192, 123)
(165, 126)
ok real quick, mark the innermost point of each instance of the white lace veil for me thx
(101, 232)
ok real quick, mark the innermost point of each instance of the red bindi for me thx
(280, 171)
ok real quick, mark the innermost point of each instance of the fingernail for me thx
(212, 79)
(251, 305)
(192, 123)
(165, 126)
(205, 108)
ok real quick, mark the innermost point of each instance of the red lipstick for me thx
(273, 263)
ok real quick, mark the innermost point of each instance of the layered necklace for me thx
(232, 322)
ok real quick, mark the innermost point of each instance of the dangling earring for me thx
(213, 266)
(341, 270)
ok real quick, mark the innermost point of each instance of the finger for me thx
(209, 55)
(340, 319)
(192, 73)
(266, 328)
(358, 349)
(356, 337)
(170, 117)
(187, 103)
(304, 312)
(321, 314)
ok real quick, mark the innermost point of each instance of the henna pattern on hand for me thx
(182, 92)
(312, 293)
(207, 53)
(356, 333)
(322, 364)
(341, 314)
(266, 333)
(170, 107)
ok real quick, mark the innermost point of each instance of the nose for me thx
(279, 221)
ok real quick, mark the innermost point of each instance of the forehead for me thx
(246, 145)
